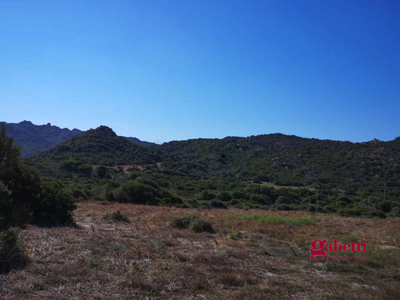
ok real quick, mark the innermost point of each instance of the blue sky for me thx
(173, 70)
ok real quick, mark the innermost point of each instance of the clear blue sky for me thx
(173, 70)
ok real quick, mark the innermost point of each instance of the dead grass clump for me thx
(199, 226)
(193, 223)
(183, 222)
(116, 216)
(231, 279)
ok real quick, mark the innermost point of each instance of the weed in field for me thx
(391, 238)
(92, 261)
(278, 236)
(256, 239)
(382, 257)
(11, 250)
(301, 240)
(119, 248)
(135, 267)
(328, 266)
(230, 279)
(234, 235)
(352, 238)
(160, 245)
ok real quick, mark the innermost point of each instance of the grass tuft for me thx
(116, 216)
(235, 235)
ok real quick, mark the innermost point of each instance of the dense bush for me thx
(25, 196)
(13, 214)
(54, 207)
(224, 196)
(205, 195)
(218, 204)
(71, 164)
(101, 171)
(141, 193)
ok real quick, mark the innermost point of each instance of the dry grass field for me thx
(102, 258)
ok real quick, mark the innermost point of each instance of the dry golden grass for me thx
(147, 259)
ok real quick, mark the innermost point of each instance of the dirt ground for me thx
(101, 258)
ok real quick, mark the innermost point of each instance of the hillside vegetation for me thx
(272, 171)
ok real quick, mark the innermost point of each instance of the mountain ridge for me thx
(35, 138)
(98, 146)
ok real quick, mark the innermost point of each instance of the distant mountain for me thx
(35, 138)
(99, 146)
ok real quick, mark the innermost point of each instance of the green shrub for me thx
(205, 195)
(85, 169)
(218, 204)
(283, 200)
(239, 195)
(183, 222)
(140, 193)
(192, 222)
(54, 207)
(224, 196)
